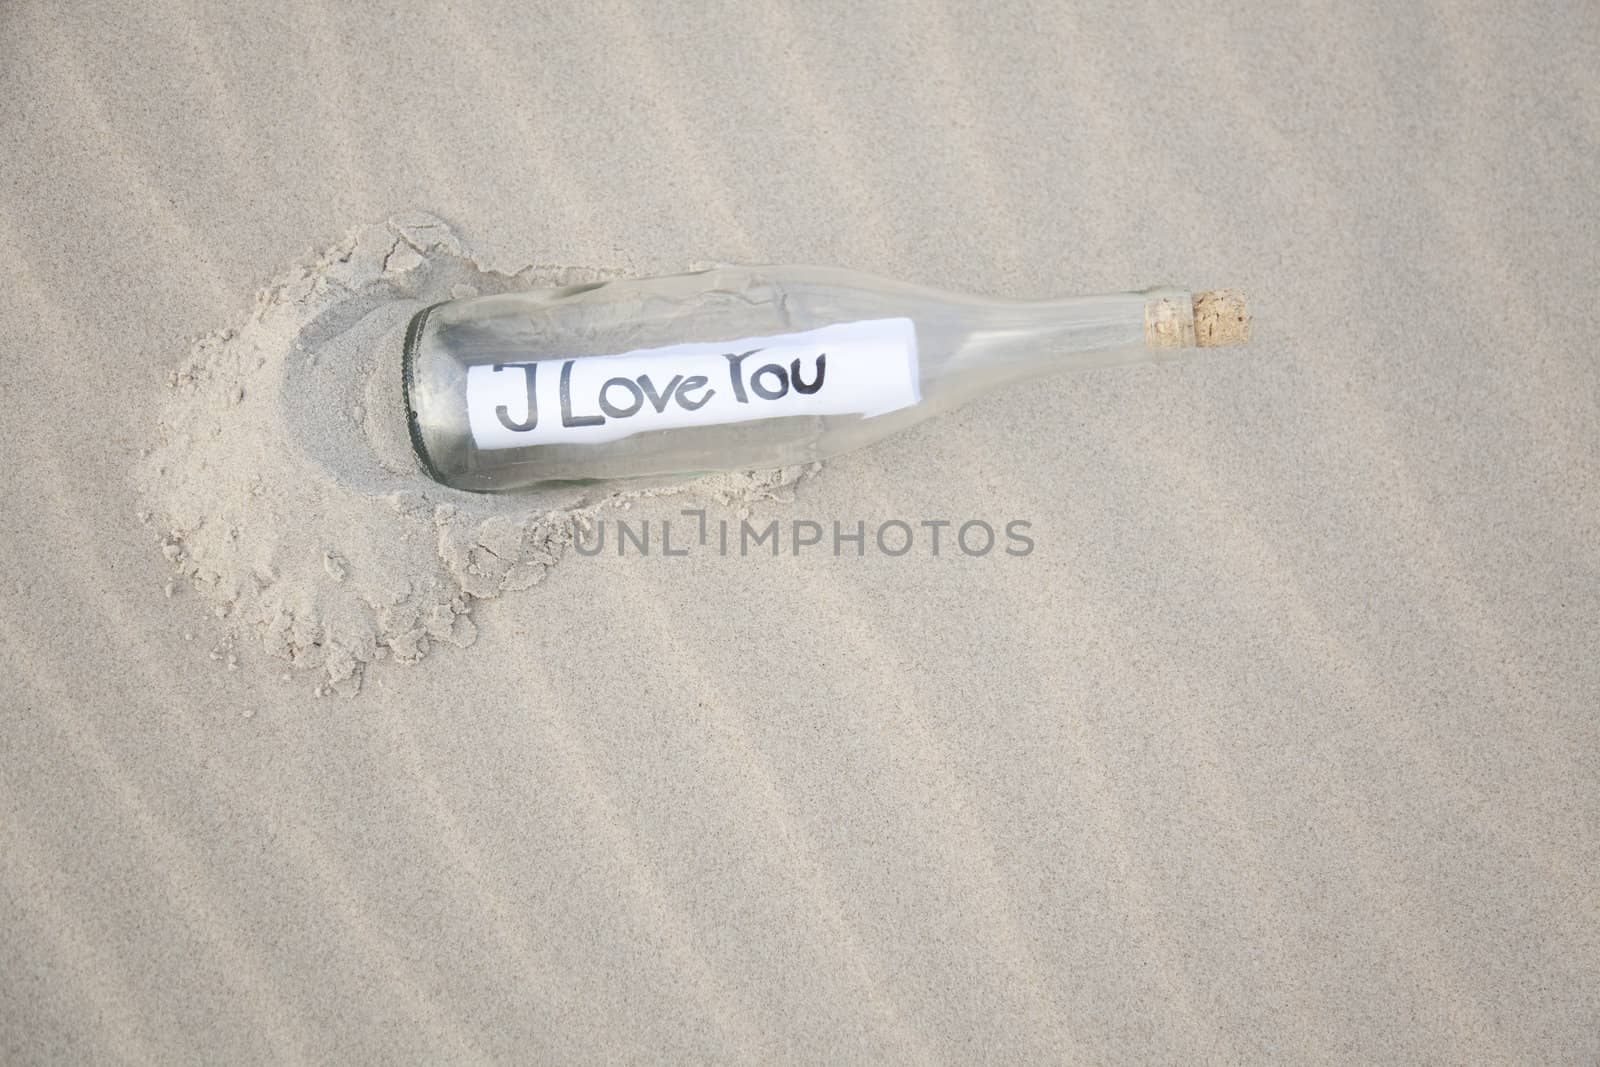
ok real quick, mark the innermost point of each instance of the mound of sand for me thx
(285, 487)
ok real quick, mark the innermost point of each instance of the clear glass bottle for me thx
(744, 367)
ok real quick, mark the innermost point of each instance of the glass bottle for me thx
(744, 367)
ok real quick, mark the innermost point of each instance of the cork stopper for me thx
(1220, 318)
(1210, 319)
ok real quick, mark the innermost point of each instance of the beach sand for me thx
(1280, 745)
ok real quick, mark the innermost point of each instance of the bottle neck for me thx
(1015, 341)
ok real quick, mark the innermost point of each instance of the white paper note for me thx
(848, 368)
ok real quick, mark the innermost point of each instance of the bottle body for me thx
(731, 368)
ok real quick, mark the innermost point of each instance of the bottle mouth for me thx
(408, 377)
(1169, 321)
(1214, 318)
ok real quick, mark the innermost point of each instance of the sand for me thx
(1279, 744)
